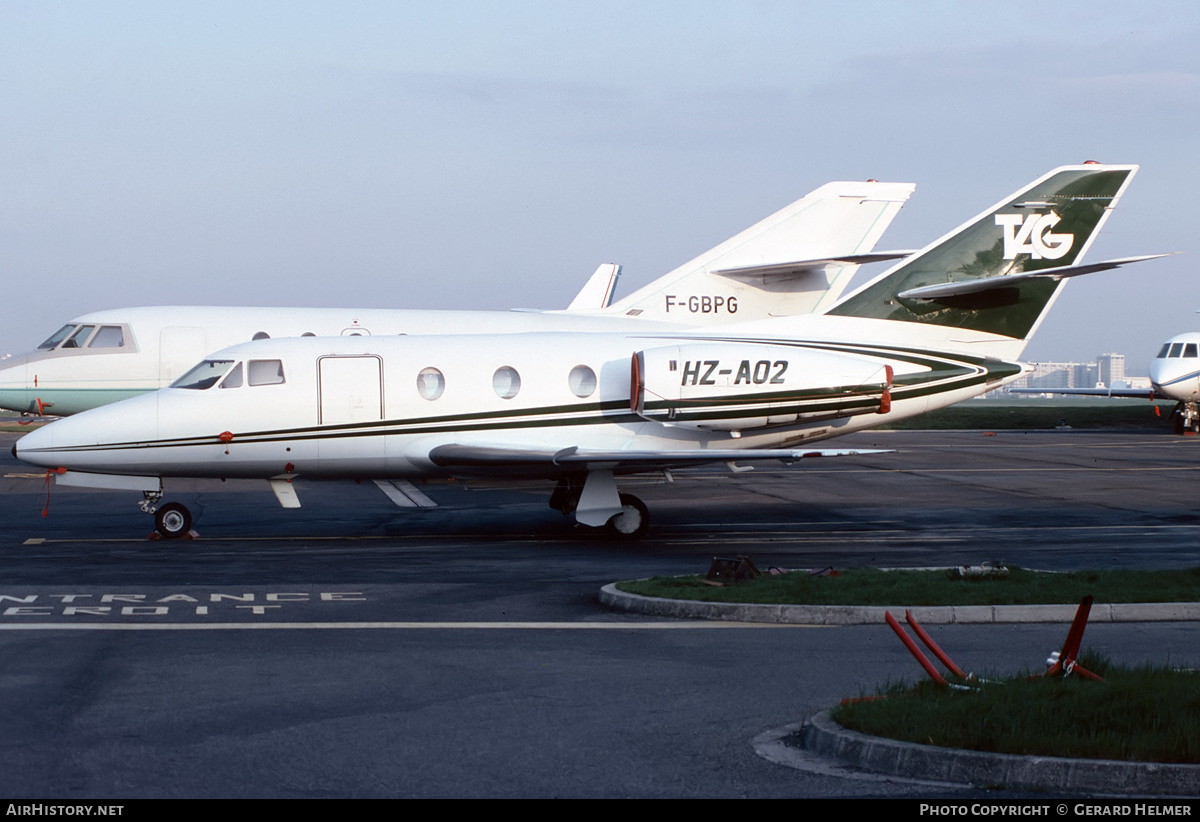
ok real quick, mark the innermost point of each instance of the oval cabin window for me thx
(506, 382)
(430, 383)
(582, 381)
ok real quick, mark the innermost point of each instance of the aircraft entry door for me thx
(351, 389)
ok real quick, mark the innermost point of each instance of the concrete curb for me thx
(873, 614)
(821, 736)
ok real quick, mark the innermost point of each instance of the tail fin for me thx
(796, 261)
(598, 290)
(999, 273)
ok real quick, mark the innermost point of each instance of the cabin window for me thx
(1162, 352)
(57, 337)
(1176, 350)
(430, 383)
(80, 336)
(261, 335)
(234, 380)
(1189, 351)
(109, 336)
(582, 381)
(265, 372)
(204, 375)
(506, 382)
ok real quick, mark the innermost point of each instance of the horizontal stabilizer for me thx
(958, 289)
(778, 272)
(492, 458)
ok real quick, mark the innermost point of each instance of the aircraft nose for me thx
(39, 438)
(1157, 377)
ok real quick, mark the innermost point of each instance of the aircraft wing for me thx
(486, 459)
(1133, 393)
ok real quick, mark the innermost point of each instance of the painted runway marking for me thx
(395, 626)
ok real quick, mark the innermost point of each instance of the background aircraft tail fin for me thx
(597, 292)
(798, 260)
(1000, 272)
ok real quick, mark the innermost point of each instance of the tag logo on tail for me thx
(1031, 235)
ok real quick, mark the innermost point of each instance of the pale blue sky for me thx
(491, 154)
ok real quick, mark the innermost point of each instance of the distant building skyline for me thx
(1107, 371)
(1111, 367)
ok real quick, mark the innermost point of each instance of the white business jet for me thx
(583, 408)
(792, 262)
(1174, 375)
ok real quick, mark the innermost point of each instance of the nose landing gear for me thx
(1187, 418)
(171, 521)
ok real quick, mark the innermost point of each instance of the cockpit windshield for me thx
(1175, 350)
(78, 338)
(109, 336)
(204, 375)
(57, 337)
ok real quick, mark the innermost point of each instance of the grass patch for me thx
(17, 428)
(872, 586)
(1142, 714)
(1043, 414)
(9, 423)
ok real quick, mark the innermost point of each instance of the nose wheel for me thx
(173, 520)
(1187, 418)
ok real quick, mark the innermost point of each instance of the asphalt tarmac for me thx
(353, 648)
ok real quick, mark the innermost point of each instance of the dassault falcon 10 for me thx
(585, 407)
(797, 260)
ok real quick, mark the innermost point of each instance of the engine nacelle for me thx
(733, 386)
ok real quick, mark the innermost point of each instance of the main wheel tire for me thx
(173, 520)
(633, 520)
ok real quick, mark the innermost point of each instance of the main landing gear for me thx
(633, 520)
(593, 500)
(171, 521)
